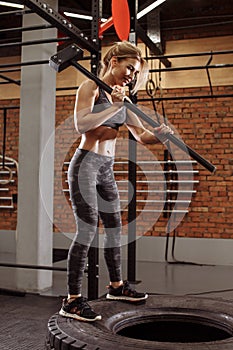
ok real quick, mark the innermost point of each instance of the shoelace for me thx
(82, 303)
(129, 289)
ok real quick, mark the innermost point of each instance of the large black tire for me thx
(69, 334)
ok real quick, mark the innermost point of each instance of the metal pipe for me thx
(174, 98)
(5, 82)
(23, 64)
(31, 63)
(206, 53)
(174, 69)
(198, 25)
(16, 12)
(208, 73)
(33, 267)
(10, 107)
(35, 42)
(4, 137)
(67, 88)
(10, 71)
(196, 18)
(24, 29)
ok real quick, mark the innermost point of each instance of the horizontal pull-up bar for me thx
(174, 69)
(15, 12)
(194, 54)
(35, 267)
(35, 42)
(191, 97)
(25, 29)
(68, 57)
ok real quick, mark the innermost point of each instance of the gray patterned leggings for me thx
(93, 194)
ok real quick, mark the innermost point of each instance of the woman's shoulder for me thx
(89, 84)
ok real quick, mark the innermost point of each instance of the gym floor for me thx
(24, 318)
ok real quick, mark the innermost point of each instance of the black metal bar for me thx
(10, 70)
(93, 254)
(4, 82)
(148, 120)
(24, 29)
(23, 64)
(181, 55)
(93, 268)
(199, 17)
(67, 88)
(166, 174)
(201, 25)
(132, 170)
(57, 89)
(208, 73)
(33, 267)
(35, 42)
(168, 206)
(191, 97)
(153, 48)
(9, 80)
(174, 69)
(32, 63)
(90, 75)
(173, 244)
(85, 58)
(4, 137)
(53, 17)
(10, 107)
(16, 12)
(132, 209)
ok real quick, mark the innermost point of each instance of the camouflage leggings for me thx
(93, 194)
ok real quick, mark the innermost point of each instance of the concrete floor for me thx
(164, 278)
(154, 277)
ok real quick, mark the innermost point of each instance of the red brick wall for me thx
(8, 217)
(204, 124)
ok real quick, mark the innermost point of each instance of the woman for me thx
(93, 190)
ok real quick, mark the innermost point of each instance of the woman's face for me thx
(125, 70)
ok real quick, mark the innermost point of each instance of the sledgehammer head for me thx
(63, 58)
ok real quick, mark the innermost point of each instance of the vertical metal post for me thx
(165, 213)
(4, 137)
(132, 170)
(93, 255)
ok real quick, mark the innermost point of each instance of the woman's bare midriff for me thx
(102, 140)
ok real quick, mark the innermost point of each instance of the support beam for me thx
(132, 169)
(53, 17)
(153, 48)
(153, 28)
(34, 237)
(93, 254)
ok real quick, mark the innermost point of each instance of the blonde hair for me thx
(125, 49)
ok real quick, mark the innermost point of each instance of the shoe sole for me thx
(79, 318)
(113, 297)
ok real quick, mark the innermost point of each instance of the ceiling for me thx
(174, 14)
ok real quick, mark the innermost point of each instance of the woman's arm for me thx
(84, 119)
(143, 135)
